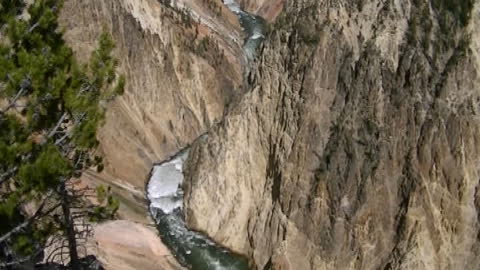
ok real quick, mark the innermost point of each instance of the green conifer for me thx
(50, 109)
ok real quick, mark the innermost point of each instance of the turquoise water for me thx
(253, 26)
(164, 191)
(191, 248)
(195, 250)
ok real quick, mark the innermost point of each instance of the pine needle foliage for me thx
(50, 109)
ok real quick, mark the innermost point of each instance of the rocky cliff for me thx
(183, 66)
(182, 63)
(357, 145)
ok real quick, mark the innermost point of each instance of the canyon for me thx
(350, 142)
(171, 54)
(356, 146)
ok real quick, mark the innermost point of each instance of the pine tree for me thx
(9, 9)
(50, 109)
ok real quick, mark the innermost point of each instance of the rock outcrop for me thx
(124, 245)
(357, 145)
(180, 73)
(182, 61)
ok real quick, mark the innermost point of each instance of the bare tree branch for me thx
(13, 101)
(7, 175)
(20, 261)
(57, 126)
(30, 220)
(59, 141)
(33, 27)
(58, 251)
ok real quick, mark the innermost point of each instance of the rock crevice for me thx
(356, 146)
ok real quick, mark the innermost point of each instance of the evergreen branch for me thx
(31, 220)
(4, 177)
(13, 102)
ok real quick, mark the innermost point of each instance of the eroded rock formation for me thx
(357, 144)
(183, 66)
(181, 74)
(124, 245)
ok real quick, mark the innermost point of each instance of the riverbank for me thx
(174, 93)
(165, 193)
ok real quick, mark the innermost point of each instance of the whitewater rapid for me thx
(165, 193)
(166, 202)
(164, 189)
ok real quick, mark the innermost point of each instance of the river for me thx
(164, 189)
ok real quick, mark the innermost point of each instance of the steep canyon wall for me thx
(356, 146)
(182, 64)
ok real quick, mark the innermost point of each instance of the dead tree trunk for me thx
(70, 229)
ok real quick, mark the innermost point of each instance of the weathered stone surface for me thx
(125, 245)
(357, 146)
(176, 89)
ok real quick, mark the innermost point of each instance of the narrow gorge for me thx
(349, 141)
(165, 193)
(356, 146)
